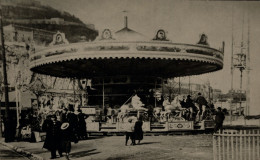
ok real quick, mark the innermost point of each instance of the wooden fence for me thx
(237, 144)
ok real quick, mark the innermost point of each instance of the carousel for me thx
(126, 68)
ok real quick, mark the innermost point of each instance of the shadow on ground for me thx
(83, 153)
(148, 143)
(93, 137)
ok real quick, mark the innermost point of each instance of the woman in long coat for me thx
(82, 126)
(66, 138)
(138, 131)
(53, 141)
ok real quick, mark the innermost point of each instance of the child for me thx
(130, 133)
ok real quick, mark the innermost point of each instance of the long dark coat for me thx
(66, 138)
(53, 132)
(138, 131)
(82, 128)
(219, 117)
(73, 121)
(201, 101)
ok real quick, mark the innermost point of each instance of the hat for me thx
(64, 126)
(71, 108)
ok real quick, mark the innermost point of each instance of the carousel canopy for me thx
(126, 53)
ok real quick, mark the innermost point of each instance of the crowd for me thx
(169, 109)
(63, 128)
(186, 107)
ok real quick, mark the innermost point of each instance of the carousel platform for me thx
(148, 127)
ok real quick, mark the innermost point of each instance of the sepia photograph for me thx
(129, 80)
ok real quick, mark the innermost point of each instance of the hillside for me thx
(31, 13)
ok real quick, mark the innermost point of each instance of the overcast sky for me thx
(184, 22)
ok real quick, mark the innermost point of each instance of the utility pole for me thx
(7, 118)
(232, 51)
(248, 68)
(1, 93)
(239, 62)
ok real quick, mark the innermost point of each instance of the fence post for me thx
(228, 144)
(236, 146)
(241, 144)
(223, 145)
(245, 145)
(219, 146)
(249, 144)
(258, 144)
(232, 145)
(253, 154)
(214, 147)
(254, 143)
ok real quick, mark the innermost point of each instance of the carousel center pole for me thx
(74, 92)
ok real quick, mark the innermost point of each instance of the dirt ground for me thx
(178, 147)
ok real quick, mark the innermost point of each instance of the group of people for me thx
(185, 107)
(168, 109)
(134, 131)
(62, 129)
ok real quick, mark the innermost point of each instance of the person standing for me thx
(63, 115)
(66, 134)
(53, 131)
(138, 131)
(190, 105)
(202, 105)
(219, 119)
(129, 132)
(82, 126)
(150, 113)
(73, 122)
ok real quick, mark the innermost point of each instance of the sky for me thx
(183, 22)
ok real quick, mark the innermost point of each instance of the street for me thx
(6, 153)
(192, 147)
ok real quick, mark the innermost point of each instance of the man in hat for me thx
(52, 127)
(219, 119)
